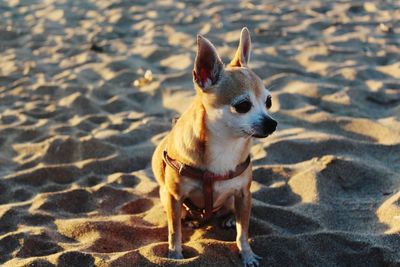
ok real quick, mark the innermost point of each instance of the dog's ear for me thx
(207, 65)
(242, 55)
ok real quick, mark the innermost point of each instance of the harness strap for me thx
(207, 178)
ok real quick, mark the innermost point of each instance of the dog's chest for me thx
(222, 158)
(222, 190)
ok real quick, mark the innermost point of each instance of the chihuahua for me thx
(203, 164)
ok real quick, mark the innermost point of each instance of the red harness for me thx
(207, 178)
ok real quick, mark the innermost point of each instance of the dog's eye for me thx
(242, 107)
(268, 102)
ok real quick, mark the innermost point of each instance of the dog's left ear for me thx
(242, 55)
(207, 66)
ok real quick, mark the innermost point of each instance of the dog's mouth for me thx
(257, 135)
(262, 131)
(260, 135)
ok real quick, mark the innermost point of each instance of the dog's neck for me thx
(201, 141)
(224, 151)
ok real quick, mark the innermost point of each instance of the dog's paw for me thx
(173, 254)
(250, 259)
(228, 222)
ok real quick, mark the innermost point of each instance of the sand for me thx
(88, 88)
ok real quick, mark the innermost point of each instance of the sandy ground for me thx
(80, 118)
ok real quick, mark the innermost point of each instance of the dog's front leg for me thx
(174, 208)
(242, 214)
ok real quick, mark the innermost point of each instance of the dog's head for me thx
(233, 96)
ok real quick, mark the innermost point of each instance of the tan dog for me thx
(204, 160)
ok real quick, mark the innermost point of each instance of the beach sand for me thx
(89, 88)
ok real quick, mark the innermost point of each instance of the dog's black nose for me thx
(269, 125)
(265, 126)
